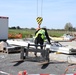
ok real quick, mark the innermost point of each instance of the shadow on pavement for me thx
(18, 63)
(44, 66)
(47, 64)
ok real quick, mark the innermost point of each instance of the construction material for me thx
(43, 63)
(54, 46)
(58, 47)
(26, 50)
(6, 48)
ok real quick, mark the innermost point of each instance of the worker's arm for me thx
(47, 36)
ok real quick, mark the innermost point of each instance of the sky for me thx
(23, 13)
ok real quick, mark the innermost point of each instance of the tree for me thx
(33, 28)
(68, 27)
(18, 27)
(13, 27)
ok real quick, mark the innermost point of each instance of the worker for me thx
(40, 36)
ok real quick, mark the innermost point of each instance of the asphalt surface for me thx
(59, 64)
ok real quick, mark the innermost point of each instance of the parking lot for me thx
(59, 63)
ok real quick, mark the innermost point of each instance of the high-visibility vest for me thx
(42, 32)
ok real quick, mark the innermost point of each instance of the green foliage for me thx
(24, 32)
(68, 27)
(56, 33)
(29, 32)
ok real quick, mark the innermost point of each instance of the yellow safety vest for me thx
(42, 32)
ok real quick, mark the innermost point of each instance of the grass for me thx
(24, 32)
(28, 32)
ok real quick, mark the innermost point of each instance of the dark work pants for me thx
(39, 40)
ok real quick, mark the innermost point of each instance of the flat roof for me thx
(4, 17)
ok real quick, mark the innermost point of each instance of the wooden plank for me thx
(43, 63)
(21, 60)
